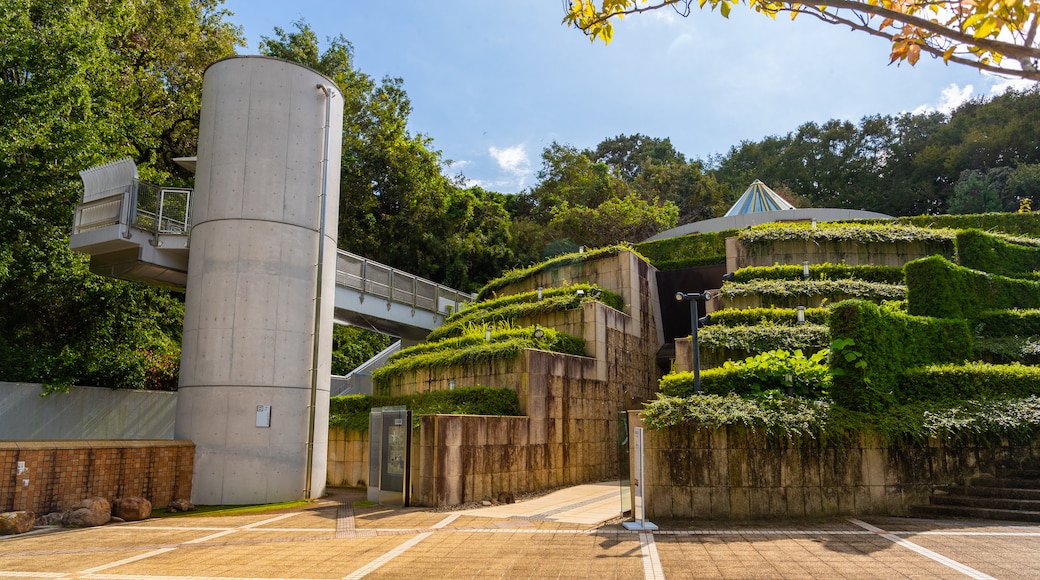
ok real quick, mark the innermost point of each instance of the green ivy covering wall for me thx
(882, 274)
(1025, 224)
(979, 250)
(351, 411)
(688, 251)
(872, 347)
(969, 381)
(936, 287)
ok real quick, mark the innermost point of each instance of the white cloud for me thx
(1002, 85)
(513, 160)
(953, 96)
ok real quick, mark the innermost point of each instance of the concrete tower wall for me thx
(266, 129)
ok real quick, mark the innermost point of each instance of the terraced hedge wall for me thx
(936, 287)
(981, 251)
(884, 343)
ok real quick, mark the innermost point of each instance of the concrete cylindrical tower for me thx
(258, 306)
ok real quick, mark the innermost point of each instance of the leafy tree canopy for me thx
(991, 36)
(81, 83)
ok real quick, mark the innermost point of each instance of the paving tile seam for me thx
(944, 560)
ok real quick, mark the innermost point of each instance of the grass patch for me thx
(230, 510)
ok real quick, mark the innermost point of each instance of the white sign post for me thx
(638, 486)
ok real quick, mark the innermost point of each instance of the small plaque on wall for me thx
(263, 415)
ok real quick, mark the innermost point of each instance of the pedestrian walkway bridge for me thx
(138, 231)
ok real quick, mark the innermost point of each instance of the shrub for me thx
(1017, 419)
(496, 311)
(475, 336)
(866, 233)
(881, 274)
(351, 411)
(501, 347)
(936, 287)
(1011, 223)
(514, 276)
(688, 251)
(763, 337)
(989, 253)
(789, 292)
(969, 381)
(776, 415)
(1007, 349)
(872, 347)
(1014, 322)
(773, 370)
(755, 316)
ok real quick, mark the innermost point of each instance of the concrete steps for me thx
(1012, 494)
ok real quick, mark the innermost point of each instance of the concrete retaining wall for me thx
(50, 476)
(84, 413)
(736, 474)
(822, 251)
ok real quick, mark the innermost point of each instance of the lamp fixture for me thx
(538, 332)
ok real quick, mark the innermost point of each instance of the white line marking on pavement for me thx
(445, 521)
(378, 562)
(963, 569)
(651, 562)
(129, 560)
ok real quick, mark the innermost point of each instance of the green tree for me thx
(982, 191)
(580, 201)
(396, 206)
(82, 83)
(1024, 183)
(352, 346)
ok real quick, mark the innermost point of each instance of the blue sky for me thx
(494, 82)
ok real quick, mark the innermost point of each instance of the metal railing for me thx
(148, 207)
(162, 210)
(372, 278)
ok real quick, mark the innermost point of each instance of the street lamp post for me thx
(693, 298)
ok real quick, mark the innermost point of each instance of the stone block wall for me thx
(50, 476)
(736, 474)
(569, 432)
(837, 252)
(348, 458)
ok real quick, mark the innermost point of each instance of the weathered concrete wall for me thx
(49, 476)
(823, 251)
(736, 474)
(569, 433)
(84, 413)
(569, 436)
(348, 458)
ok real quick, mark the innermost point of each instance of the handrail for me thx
(372, 278)
(147, 207)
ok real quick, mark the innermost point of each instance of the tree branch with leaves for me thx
(997, 36)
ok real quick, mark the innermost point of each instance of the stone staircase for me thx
(1012, 494)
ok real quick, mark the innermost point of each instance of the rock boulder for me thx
(180, 505)
(132, 509)
(94, 511)
(16, 522)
